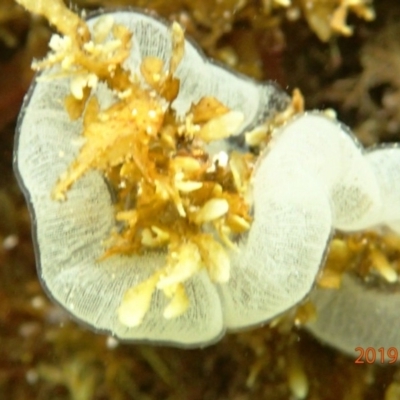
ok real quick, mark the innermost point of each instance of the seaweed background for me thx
(44, 355)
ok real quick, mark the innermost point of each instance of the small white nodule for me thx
(313, 177)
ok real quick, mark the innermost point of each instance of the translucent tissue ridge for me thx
(357, 315)
(364, 313)
(313, 177)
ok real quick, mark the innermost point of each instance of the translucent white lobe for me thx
(358, 315)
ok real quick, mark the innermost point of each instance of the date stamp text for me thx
(371, 355)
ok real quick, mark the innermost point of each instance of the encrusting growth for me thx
(170, 193)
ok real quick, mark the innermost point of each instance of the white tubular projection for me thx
(314, 177)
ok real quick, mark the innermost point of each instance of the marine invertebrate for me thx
(188, 267)
(145, 133)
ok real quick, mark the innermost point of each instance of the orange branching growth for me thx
(94, 60)
(327, 17)
(60, 16)
(371, 255)
(260, 136)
